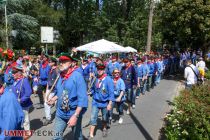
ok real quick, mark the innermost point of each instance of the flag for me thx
(100, 4)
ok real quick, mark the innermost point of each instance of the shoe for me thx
(133, 106)
(104, 133)
(137, 97)
(46, 122)
(120, 120)
(40, 106)
(128, 112)
(90, 137)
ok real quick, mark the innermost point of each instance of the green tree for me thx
(187, 21)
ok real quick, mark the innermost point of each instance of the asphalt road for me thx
(144, 122)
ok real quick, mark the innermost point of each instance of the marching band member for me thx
(44, 70)
(12, 116)
(53, 74)
(22, 89)
(103, 94)
(119, 94)
(72, 99)
(130, 79)
(112, 65)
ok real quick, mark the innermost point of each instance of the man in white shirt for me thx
(190, 74)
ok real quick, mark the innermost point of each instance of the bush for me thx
(190, 117)
(207, 74)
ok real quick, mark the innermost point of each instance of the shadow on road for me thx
(36, 124)
(140, 127)
(70, 136)
(170, 103)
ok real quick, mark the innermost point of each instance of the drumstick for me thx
(53, 86)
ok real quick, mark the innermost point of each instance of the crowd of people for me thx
(110, 82)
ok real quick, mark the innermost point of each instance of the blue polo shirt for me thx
(103, 92)
(74, 90)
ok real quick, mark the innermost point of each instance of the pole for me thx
(54, 50)
(7, 39)
(149, 34)
(46, 49)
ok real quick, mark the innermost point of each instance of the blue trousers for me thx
(119, 106)
(94, 115)
(131, 95)
(61, 124)
(157, 78)
(142, 88)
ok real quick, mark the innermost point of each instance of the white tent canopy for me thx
(130, 49)
(102, 46)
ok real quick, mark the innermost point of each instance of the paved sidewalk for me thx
(144, 122)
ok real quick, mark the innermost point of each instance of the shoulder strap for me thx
(193, 71)
(20, 88)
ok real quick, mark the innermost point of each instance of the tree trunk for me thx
(149, 35)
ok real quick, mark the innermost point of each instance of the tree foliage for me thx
(187, 21)
(121, 21)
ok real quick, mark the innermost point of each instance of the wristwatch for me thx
(76, 115)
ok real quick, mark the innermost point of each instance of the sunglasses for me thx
(116, 72)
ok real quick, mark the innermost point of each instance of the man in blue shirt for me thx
(130, 79)
(22, 89)
(44, 70)
(158, 67)
(85, 70)
(140, 75)
(150, 74)
(52, 79)
(72, 99)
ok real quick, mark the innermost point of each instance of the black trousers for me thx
(41, 89)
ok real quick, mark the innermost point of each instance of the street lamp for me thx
(6, 29)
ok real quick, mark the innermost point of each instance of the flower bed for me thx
(190, 116)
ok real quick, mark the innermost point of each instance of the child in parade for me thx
(119, 94)
(103, 94)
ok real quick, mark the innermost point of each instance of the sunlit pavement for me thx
(144, 122)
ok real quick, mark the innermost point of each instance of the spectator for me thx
(190, 74)
(201, 65)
